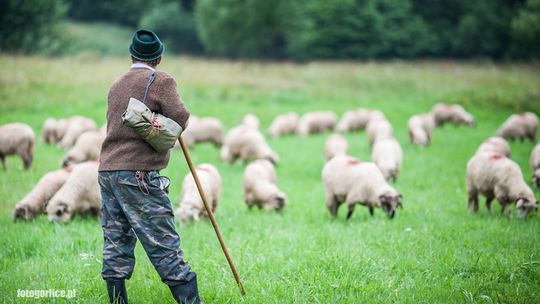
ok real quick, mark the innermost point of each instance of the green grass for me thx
(433, 251)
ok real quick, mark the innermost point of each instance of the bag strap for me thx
(150, 80)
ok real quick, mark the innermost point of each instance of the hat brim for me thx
(146, 58)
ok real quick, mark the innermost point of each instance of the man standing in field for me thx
(134, 196)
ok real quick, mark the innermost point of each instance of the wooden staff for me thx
(211, 215)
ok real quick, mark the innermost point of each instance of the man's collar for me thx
(139, 65)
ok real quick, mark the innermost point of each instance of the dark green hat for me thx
(146, 46)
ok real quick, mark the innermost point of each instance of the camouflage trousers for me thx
(135, 206)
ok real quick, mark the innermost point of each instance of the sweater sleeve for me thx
(170, 103)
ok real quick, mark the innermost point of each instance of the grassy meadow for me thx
(433, 251)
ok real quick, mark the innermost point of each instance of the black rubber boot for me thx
(117, 291)
(187, 293)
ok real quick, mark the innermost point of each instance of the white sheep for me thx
(48, 131)
(77, 125)
(79, 195)
(34, 203)
(495, 144)
(388, 156)
(519, 126)
(284, 124)
(535, 165)
(495, 176)
(335, 145)
(260, 187)
(452, 113)
(348, 180)
(252, 121)
(316, 122)
(378, 128)
(420, 128)
(355, 120)
(191, 205)
(86, 148)
(246, 143)
(203, 129)
(17, 139)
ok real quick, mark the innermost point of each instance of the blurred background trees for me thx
(295, 29)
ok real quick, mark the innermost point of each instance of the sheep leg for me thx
(370, 211)
(3, 159)
(472, 201)
(489, 200)
(332, 204)
(351, 210)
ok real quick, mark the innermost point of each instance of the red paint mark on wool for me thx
(497, 156)
(353, 162)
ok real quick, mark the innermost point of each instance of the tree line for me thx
(297, 29)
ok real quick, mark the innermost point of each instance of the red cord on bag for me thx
(140, 177)
(155, 124)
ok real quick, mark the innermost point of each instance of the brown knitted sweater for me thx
(123, 149)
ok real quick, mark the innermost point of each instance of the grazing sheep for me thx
(79, 195)
(252, 121)
(316, 122)
(452, 113)
(519, 126)
(335, 145)
(17, 139)
(48, 131)
(348, 180)
(535, 165)
(378, 128)
(203, 129)
(77, 125)
(495, 176)
(495, 144)
(387, 155)
(284, 124)
(246, 143)
(191, 205)
(355, 120)
(86, 148)
(420, 128)
(260, 187)
(34, 203)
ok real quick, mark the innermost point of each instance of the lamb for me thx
(284, 124)
(535, 165)
(452, 113)
(355, 120)
(191, 205)
(335, 145)
(260, 187)
(519, 126)
(252, 121)
(203, 129)
(495, 176)
(77, 125)
(348, 180)
(378, 128)
(79, 195)
(86, 148)
(17, 139)
(495, 144)
(316, 122)
(420, 128)
(388, 156)
(246, 143)
(34, 203)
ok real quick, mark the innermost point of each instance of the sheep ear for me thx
(520, 202)
(196, 217)
(383, 198)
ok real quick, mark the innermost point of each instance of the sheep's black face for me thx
(67, 162)
(526, 206)
(536, 178)
(21, 213)
(60, 213)
(389, 203)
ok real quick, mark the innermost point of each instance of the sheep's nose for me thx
(392, 214)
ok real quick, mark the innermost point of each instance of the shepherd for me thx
(135, 204)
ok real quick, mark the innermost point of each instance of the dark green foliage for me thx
(248, 28)
(124, 12)
(360, 29)
(174, 26)
(29, 26)
(526, 31)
